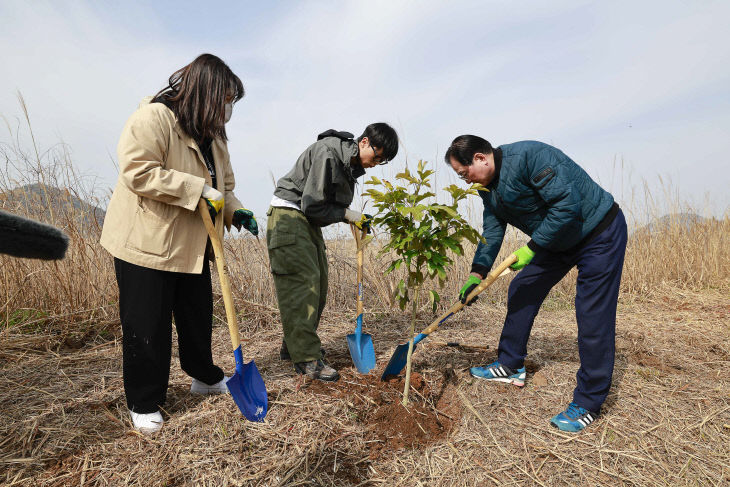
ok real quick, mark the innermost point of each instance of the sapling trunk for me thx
(410, 347)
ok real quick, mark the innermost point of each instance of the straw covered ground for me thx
(666, 421)
(63, 417)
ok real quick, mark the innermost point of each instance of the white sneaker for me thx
(198, 387)
(147, 423)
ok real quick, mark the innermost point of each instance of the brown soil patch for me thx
(432, 413)
(647, 359)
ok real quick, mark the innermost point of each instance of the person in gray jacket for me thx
(315, 193)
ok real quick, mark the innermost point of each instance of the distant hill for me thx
(683, 221)
(40, 201)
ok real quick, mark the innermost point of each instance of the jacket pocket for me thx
(152, 229)
(157, 210)
(543, 177)
(283, 254)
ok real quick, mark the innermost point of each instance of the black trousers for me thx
(148, 299)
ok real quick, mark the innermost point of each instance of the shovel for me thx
(400, 356)
(246, 386)
(359, 343)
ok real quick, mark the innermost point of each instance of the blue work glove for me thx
(524, 256)
(467, 288)
(245, 218)
(214, 199)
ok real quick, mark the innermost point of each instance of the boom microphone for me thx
(21, 237)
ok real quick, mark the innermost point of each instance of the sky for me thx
(637, 93)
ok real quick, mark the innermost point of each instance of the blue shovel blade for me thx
(397, 361)
(363, 355)
(249, 392)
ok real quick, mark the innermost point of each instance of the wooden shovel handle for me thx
(220, 262)
(359, 236)
(486, 282)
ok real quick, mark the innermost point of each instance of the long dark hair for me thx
(197, 94)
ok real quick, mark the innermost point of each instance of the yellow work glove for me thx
(360, 220)
(214, 198)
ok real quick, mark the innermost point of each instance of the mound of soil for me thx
(432, 413)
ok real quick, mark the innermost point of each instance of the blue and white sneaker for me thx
(573, 419)
(500, 373)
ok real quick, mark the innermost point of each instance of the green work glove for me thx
(245, 218)
(467, 288)
(214, 198)
(524, 256)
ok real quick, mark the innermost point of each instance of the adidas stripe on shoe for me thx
(500, 373)
(573, 419)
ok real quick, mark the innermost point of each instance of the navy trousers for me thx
(600, 262)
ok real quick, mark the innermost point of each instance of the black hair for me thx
(382, 135)
(197, 93)
(464, 147)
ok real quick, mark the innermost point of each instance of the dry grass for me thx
(666, 421)
(51, 295)
(63, 418)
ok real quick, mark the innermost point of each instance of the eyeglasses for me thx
(464, 176)
(378, 159)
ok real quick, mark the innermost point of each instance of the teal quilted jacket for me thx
(542, 192)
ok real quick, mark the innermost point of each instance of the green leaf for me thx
(402, 291)
(421, 197)
(418, 213)
(374, 194)
(434, 298)
(421, 232)
(452, 212)
(393, 266)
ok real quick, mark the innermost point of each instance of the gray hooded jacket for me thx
(322, 182)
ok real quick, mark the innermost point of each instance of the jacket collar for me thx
(346, 148)
(216, 147)
(356, 171)
(351, 150)
(178, 128)
(497, 167)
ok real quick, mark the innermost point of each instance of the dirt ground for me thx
(63, 419)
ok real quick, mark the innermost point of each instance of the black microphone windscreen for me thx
(21, 237)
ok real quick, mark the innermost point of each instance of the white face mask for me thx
(229, 111)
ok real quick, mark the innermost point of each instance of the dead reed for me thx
(63, 417)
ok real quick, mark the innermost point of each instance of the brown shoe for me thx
(284, 352)
(317, 369)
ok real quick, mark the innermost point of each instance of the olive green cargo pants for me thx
(298, 259)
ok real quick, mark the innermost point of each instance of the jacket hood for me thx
(343, 144)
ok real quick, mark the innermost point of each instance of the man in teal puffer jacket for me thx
(572, 221)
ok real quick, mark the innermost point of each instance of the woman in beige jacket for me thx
(172, 152)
